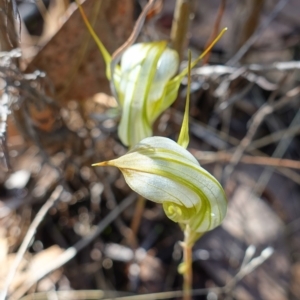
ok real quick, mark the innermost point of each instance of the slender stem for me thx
(188, 272)
(190, 237)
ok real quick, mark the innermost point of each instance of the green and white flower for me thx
(162, 171)
(145, 84)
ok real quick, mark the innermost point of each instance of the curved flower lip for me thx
(162, 171)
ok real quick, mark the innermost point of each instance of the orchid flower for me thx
(163, 171)
(145, 84)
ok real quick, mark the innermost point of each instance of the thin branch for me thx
(249, 267)
(247, 72)
(206, 157)
(274, 137)
(279, 152)
(222, 70)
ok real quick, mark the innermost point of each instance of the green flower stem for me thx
(188, 272)
(189, 240)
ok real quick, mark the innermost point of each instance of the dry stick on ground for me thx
(29, 236)
(212, 157)
(222, 70)
(248, 70)
(248, 265)
(282, 165)
(216, 29)
(248, 268)
(245, 269)
(279, 66)
(236, 97)
(274, 137)
(244, 49)
(70, 253)
(279, 152)
(257, 120)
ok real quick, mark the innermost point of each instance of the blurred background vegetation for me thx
(78, 225)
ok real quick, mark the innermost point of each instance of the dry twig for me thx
(279, 152)
(256, 121)
(213, 157)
